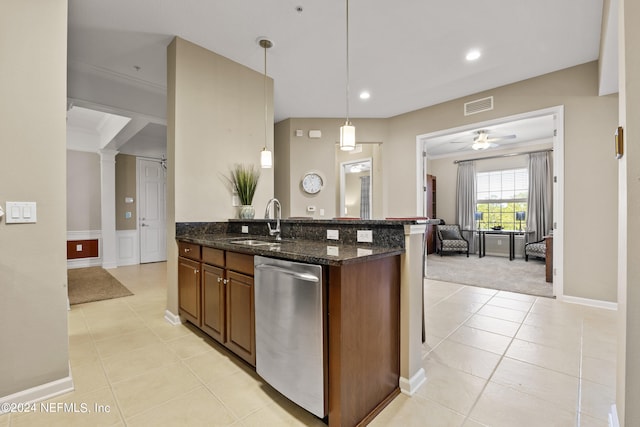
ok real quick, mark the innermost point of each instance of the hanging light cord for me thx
(265, 96)
(347, 62)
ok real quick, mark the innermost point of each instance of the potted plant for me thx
(244, 180)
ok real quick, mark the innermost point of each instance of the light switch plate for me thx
(21, 212)
(333, 235)
(365, 236)
(245, 229)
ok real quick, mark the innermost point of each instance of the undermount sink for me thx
(253, 242)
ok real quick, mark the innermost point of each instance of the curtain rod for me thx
(502, 155)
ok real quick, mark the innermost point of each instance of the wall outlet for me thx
(365, 236)
(79, 247)
(333, 235)
(245, 229)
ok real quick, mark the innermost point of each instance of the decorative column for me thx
(108, 204)
(412, 375)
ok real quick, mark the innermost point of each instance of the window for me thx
(500, 194)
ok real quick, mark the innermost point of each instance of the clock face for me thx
(312, 183)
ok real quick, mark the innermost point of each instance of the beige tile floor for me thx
(492, 359)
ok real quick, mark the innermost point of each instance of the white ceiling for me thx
(409, 54)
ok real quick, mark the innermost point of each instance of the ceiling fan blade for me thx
(500, 138)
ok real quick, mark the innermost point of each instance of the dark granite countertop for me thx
(302, 250)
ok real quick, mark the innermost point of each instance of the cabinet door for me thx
(213, 302)
(241, 336)
(189, 289)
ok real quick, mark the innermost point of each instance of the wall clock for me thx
(312, 183)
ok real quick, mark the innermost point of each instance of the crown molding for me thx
(116, 76)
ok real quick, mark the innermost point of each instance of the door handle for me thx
(301, 276)
(144, 225)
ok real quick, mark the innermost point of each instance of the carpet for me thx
(93, 284)
(492, 272)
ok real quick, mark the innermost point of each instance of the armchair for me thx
(450, 239)
(537, 249)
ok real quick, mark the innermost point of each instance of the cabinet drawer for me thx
(242, 263)
(213, 256)
(189, 250)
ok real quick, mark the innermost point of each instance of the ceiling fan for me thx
(482, 140)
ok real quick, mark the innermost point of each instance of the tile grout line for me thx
(579, 408)
(461, 324)
(502, 356)
(104, 371)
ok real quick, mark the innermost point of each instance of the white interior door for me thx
(152, 210)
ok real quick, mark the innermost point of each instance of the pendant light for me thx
(347, 131)
(266, 158)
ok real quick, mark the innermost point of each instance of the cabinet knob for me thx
(224, 282)
(187, 250)
(219, 279)
(196, 271)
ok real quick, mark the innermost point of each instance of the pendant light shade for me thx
(266, 158)
(347, 131)
(347, 137)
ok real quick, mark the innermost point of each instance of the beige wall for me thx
(215, 119)
(126, 186)
(628, 378)
(33, 268)
(310, 154)
(83, 191)
(590, 170)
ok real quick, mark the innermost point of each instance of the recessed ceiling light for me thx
(365, 95)
(473, 55)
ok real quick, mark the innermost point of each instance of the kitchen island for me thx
(361, 295)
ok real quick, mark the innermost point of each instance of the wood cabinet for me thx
(241, 334)
(431, 213)
(216, 294)
(214, 302)
(189, 289)
(548, 257)
(364, 339)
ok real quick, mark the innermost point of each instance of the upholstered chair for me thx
(450, 239)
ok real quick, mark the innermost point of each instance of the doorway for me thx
(152, 183)
(459, 148)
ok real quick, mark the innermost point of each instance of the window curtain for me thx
(365, 186)
(466, 200)
(540, 202)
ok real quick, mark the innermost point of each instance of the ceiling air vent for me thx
(478, 106)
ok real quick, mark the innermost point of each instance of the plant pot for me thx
(247, 212)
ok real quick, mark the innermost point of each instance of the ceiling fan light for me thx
(480, 145)
(347, 137)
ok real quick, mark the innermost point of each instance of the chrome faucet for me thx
(277, 213)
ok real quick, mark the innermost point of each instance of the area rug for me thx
(93, 284)
(492, 272)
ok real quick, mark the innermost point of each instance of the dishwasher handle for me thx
(301, 276)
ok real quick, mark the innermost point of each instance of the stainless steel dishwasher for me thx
(290, 330)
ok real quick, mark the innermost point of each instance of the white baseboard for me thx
(41, 392)
(172, 318)
(411, 385)
(613, 417)
(84, 262)
(590, 302)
